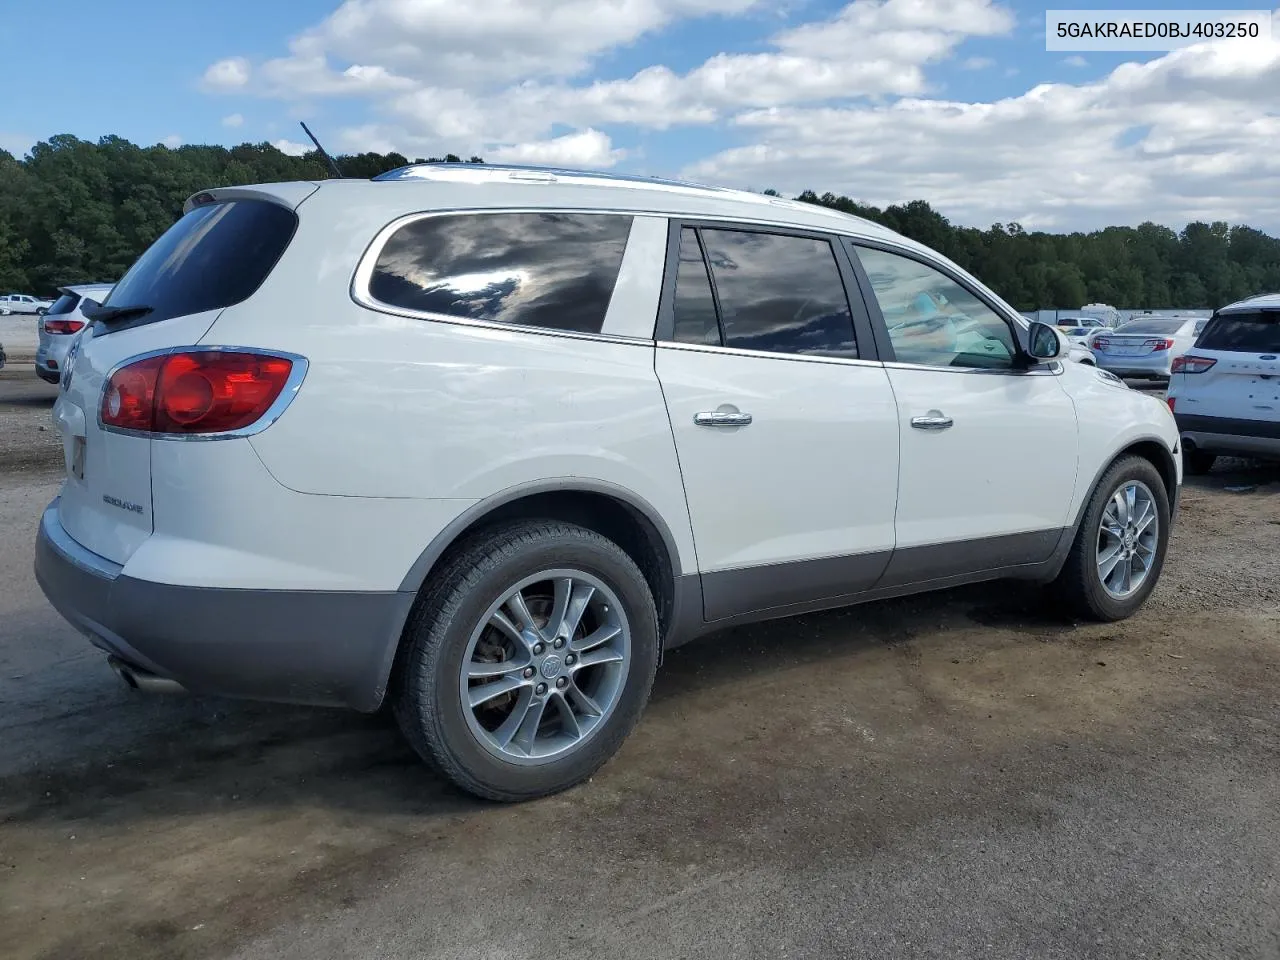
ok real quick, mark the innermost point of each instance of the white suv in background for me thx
(1225, 392)
(22, 303)
(484, 442)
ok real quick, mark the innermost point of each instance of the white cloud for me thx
(290, 147)
(846, 103)
(172, 141)
(588, 148)
(230, 74)
(1075, 61)
(1060, 155)
(233, 120)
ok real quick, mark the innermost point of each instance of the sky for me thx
(956, 102)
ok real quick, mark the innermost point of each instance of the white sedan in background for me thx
(1146, 348)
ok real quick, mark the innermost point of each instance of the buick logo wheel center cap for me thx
(551, 667)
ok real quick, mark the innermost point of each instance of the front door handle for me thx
(722, 418)
(934, 421)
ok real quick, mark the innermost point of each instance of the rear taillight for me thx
(1189, 364)
(1101, 343)
(63, 326)
(1160, 344)
(1171, 401)
(196, 391)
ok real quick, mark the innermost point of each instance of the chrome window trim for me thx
(766, 354)
(297, 374)
(637, 290)
(1052, 368)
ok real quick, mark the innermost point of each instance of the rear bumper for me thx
(314, 647)
(45, 374)
(1228, 435)
(1157, 365)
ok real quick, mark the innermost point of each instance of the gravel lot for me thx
(949, 777)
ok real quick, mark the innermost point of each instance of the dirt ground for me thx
(953, 776)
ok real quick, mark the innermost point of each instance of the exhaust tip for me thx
(138, 679)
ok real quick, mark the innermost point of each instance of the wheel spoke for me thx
(593, 658)
(478, 669)
(510, 726)
(526, 732)
(487, 691)
(569, 721)
(523, 618)
(582, 594)
(1107, 564)
(1146, 518)
(1130, 502)
(1122, 507)
(1126, 576)
(501, 622)
(593, 640)
(583, 702)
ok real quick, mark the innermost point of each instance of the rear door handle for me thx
(721, 418)
(934, 421)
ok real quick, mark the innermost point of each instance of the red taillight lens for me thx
(205, 391)
(63, 326)
(1189, 364)
(1160, 344)
(1101, 343)
(1171, 401)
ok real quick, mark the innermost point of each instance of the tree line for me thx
(76, 211)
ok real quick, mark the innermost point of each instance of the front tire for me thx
(1197, 463)
(529, 659)
(1119, 549)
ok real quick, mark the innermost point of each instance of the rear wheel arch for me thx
(610, 510)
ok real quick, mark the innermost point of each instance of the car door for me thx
(783, 420)
(988, 441)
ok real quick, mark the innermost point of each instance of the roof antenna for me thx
(333, 167)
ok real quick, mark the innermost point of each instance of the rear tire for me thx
(1196, 462)
(557, 718)
(1081, 586)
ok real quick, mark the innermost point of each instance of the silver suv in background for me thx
(62, 325)
(1225, 391)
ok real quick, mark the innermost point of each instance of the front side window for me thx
(933, 320)
(772, 293)
(553, 270)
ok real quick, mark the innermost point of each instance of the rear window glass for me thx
(215, 256)
(1152, 326)
(64, 304)
(553, 270)
(1243, 332)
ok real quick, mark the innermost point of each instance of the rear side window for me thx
(1257, 332)
(552, 270)
(217, 255)
(64, 304)
(773, 293)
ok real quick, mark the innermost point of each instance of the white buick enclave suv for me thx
(482, 442)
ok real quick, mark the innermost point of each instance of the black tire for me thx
(1078, 586)
(427, 701)
(1197, 463)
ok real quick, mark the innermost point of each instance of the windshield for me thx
(218, 254)
(1165, 327)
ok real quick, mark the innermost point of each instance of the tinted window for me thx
(779, 294)
(695, 307)
(1243, 332)
(1165, 327)
(933, 320)
(552, 270)
(215, 256)
(64, 304)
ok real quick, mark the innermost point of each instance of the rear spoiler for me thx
(289, 194)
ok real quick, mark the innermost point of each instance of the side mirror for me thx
(1043, 342)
